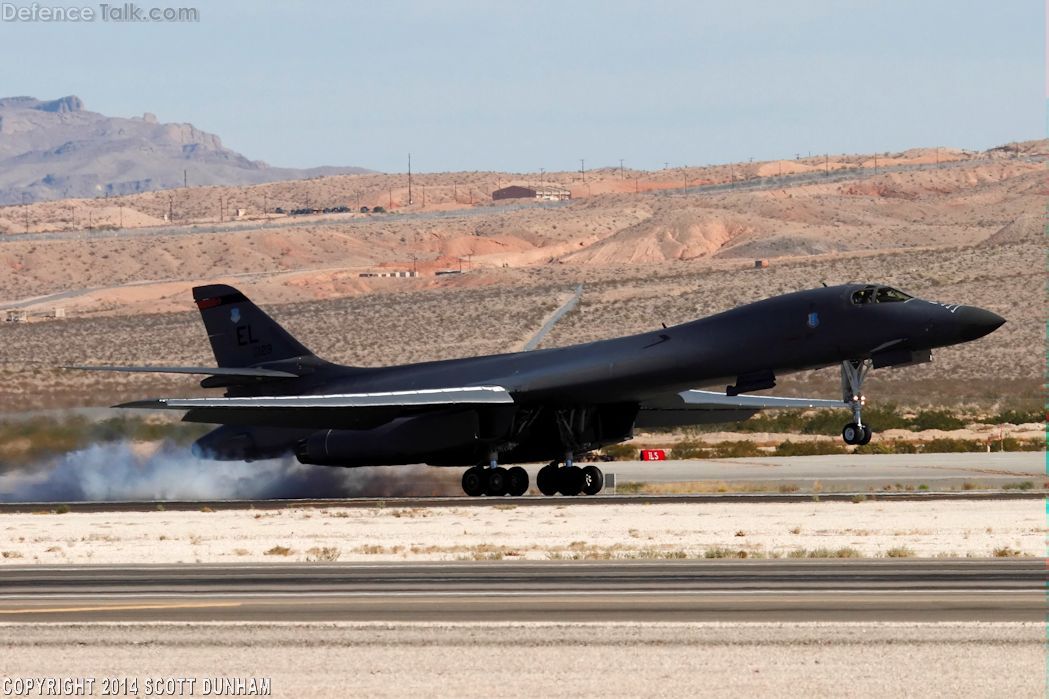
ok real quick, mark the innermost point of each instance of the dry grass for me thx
(323, 554)
(821, 552)
(279, 551)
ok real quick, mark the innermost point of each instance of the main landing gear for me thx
(852, 375)
(495, 480)
(569, 479)
(552, 479)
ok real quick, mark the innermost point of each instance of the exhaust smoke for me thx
(126, 470)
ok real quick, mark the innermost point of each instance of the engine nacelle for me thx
(400, 441)
(243, 443)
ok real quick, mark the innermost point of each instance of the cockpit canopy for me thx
(878, 294)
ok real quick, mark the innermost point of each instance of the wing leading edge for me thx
(467, 395)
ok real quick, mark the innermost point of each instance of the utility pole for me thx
(666, 165)
(621, 169)
(826, 163)
(582, 169)
(121, 216)
(265, 204)
(415, 267)
(542, 175)
(25, 210)
(171, 208)
(875, 163)
(391, 198)
(72, 215)
(409, 180)
(185, 179)
(358, 193)
(635, 185)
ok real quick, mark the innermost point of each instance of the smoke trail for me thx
(162, 471)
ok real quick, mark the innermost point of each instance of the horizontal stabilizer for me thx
(391, 399)
(210, 371)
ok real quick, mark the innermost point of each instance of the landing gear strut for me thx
(852, 375)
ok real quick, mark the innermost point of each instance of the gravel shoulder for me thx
(578, 660)
(871, 528)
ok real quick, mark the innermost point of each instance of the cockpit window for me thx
(887, 294)
(881, 294)
(865, 295)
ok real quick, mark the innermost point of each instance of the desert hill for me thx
(662, 246)
(57, 149)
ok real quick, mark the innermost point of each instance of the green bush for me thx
(884, 417)
(936, 420)
(790, 448)
(727, 450)
(1018, 417)
(621, 452)
(894, 446)
(688, 449)
(952, 446)
(25, 441)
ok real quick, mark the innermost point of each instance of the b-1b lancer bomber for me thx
(546, 405)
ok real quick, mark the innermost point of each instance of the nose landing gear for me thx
(852, 375)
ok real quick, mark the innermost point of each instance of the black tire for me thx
(516, 481)
(867, 434)
(593, 480)
(570, 480)
(495, 481)
(851, 433)
(473, 482)
(546, 480)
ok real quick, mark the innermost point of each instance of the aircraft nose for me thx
(976, 322)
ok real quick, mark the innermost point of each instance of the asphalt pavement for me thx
(561, 591)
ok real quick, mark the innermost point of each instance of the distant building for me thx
(761, 264)
(390, 274)
(514, 192)
(545, 193)
(553, 193)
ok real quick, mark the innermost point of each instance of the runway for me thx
(572, 591)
